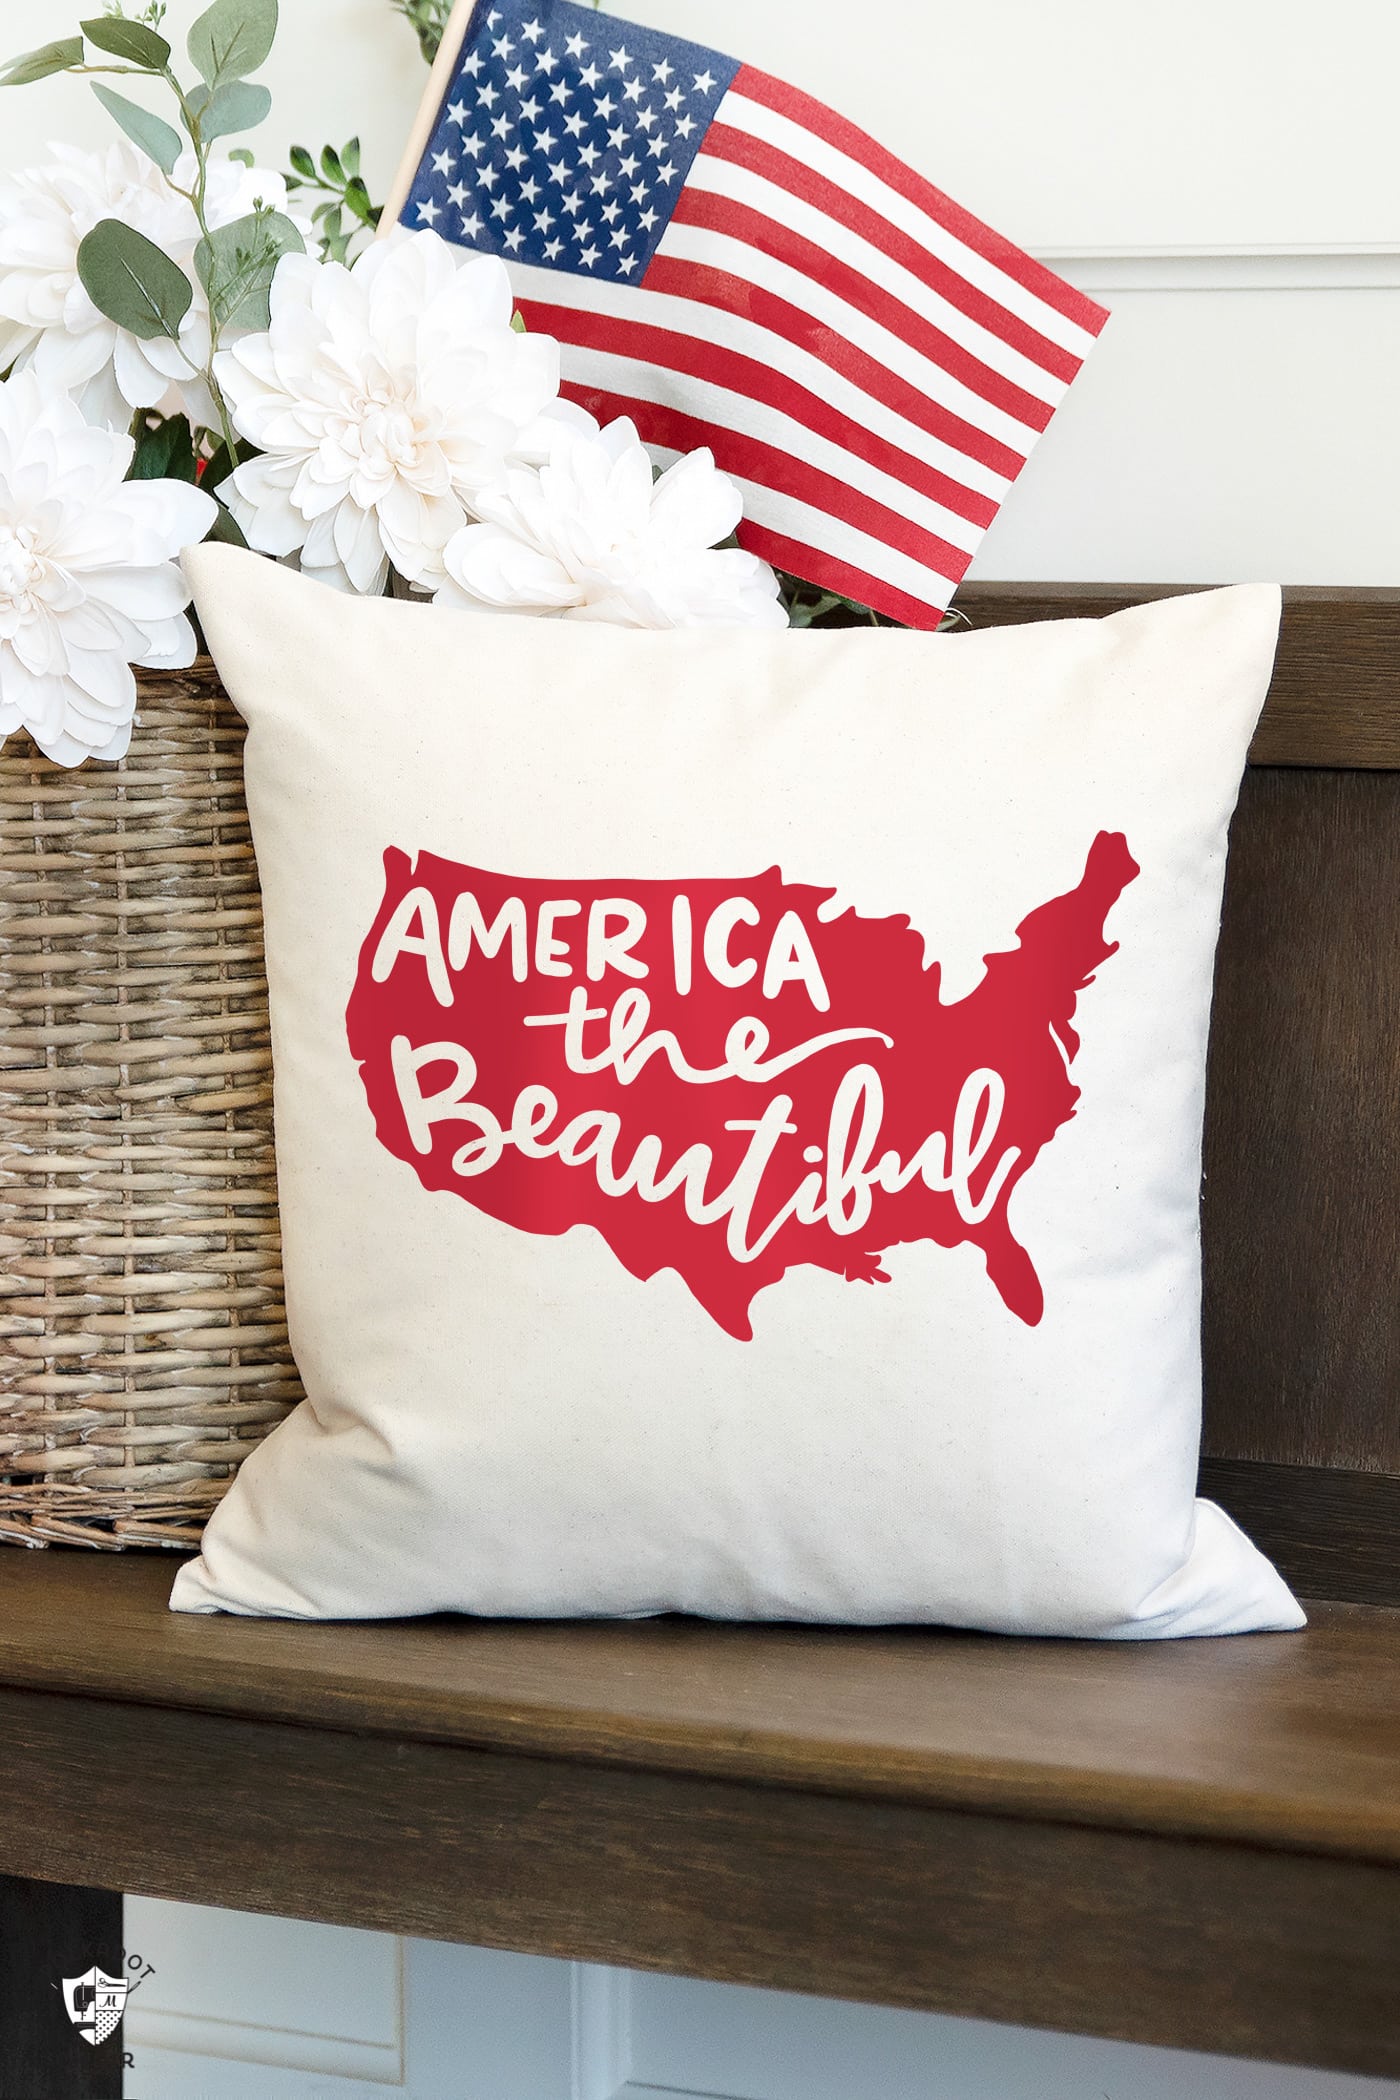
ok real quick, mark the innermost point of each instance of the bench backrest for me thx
(1301, 1202)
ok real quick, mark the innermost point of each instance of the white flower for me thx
(88, 582)
(590, 535)
(384, 398)
(47, 320)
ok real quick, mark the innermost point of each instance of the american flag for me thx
(731, 264)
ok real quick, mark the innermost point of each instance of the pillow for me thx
(738, 1105)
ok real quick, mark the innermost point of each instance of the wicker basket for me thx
(143, 1338)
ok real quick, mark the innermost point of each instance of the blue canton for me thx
(565, 138)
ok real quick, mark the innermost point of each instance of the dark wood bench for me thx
(1195, 1844)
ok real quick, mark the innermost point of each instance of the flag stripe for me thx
(715, 286)
(715, 312)
(881, 252)
(799, 559)
(843, 151)
(767, 462)
(724, 246)
(668, 429)
(666, 350)
(825, 276)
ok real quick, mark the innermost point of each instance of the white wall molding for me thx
(1334, 267)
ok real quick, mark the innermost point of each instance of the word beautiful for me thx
(739, 1078)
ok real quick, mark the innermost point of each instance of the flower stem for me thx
(197, 198)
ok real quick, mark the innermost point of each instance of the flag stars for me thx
(575, 46)
(617, 139)
(656, 147)
(474, 64)
(488, 176)
(530, 190)
(500, 126)
(621, 58)
(545, 60)
(515, 159)
(612, 211)
(488, 96)
(442, 162)
(629, 166)
(588, 154)
(553, 250)
(544, 220)
(619, 236)
(632, 90)
(516, 78)
(662, 71)
(501, 207)
(545, 141)
(590, 76)
(559, 91)
(602, 184)
(514, 239)
(503, 47)
(646, 118)
(627, 264)
(530, 110)
(533, 30)
(603, 107)
(647, 221)
(574, 124)
(684, 127)
(666, 172)
(457, 114)
(559, 171)
(471, 227)
(674, 99)
(472, 143)
(589, 255)
(429, 211)
(704, 82)
(457, 192)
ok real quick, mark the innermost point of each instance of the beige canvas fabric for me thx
(738, 1112)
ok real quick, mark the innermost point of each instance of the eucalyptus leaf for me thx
(152, 134)
(242, 155)
(236, 263)
(37, 65)
(232, 38)
(239, 105)
(132, 281)
(130, 40)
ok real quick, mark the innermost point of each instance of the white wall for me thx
(1225, 174)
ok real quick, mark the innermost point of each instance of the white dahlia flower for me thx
(591, 534)
(384, 398)
(47, 320)
(88, 580)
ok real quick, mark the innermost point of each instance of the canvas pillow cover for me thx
(738, 1106)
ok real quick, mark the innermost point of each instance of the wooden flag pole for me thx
(444, 66)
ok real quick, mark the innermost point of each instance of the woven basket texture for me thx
(143, 1337)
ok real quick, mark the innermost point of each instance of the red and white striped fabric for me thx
(871, 363)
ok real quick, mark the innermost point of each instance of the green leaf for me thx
(232, 38)
(236, 263)
(303, 164)
(240, 105)
(330, 166)
(350, 157)
(129, 40)
(517, 322)
(152, 134)
(226, 528)
(164, 453)
(243, 155)
(358, 200)
(131, 281)
(37, 65)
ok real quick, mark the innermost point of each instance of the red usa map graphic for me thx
(724, 1078)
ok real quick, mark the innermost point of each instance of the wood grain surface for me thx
(1170, 1940)
(1330, 1533)
(1301, 1215)
(48, 1931)
(1287, 1740)
(1335, 697)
